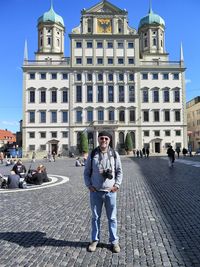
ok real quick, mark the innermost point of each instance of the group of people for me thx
(18, 177)
(140, 153)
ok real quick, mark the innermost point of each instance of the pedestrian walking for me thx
(54, 156)
(171, 156)
(103, 177)
(147, 152)
(33, 156)
(178, 151)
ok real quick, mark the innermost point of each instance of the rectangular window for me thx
(78, 44)
(177, 115)
(146, 133)
(100, 94)
(100, 115)
(120, 60)
(165, 76)
(89, 115)
(53, 116)
(120, 45)
(131, 77)
(78, 60)
(121, 116)
(176, 96)
(144, 76)
(156, 96)
(31, 134)
(155, 76)
(121, 93)
(100, 77)
(31, 147)
(65, 76)
(32, 116)
(53, 96)
(132, 115)
(110, 93)
(99, 61)
(157, 133)
(54, 76)
(42, 116)
(110, 45)
(146, 115)
(130, 45)
(32, 97)
(32, 76)
(89, 93)
(64, 116)
(156, 115)
(110, 77)
(79, 116)
(79, 93)
(131, 93)
(65, 96)
(43, 76)
(167, 133)
(111, 115)
(89, 60)
(167, 115)
(78, 76)
(89, 44)
(145, 96)
(131, 61)
(54, 134)
(99, 45)
(178, 132)
(176, 76)
(89, 77)
(42, 134)
(110, 60)
(65, 134)
(43, 97)
(121, 77)
(166, 95)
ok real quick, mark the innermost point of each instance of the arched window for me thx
(154, 41)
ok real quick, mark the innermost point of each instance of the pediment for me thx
(104, 7)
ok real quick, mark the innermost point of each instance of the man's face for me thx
(104, 141)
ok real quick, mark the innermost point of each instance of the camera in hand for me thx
(107, 174)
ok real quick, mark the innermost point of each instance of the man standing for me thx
(171, 156)
(103, 177)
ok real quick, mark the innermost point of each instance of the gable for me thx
(104, 7)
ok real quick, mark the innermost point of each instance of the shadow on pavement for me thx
(38, 239)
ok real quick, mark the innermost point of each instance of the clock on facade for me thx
(104, 26)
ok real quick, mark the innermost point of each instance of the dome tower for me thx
(152, 35)
(51, 31)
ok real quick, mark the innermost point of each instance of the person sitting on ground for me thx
(13, 180)
(19, 168)
(38, 176)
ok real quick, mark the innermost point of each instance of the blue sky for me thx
(19, 22)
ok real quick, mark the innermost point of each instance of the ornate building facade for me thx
(117, 78)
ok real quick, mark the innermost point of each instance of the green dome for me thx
(51, 16)
(151, 18)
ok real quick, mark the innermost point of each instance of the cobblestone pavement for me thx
(158, 219)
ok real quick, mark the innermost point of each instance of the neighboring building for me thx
(7, 138)
(193, 123)
(117, 78)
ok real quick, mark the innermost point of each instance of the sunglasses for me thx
(104, 138)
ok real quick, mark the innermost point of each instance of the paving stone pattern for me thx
(158, 219)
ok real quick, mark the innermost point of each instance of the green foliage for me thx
(84, 143)
(128, 142)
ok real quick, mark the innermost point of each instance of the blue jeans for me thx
(97, 199)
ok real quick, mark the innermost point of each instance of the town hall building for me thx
(117, 78)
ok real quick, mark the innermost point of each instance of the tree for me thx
(128, 143)
(83, 143)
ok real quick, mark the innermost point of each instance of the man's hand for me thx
(92, 189)
(114, 189)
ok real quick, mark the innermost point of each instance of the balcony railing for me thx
(160, 63)
(48, 62)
